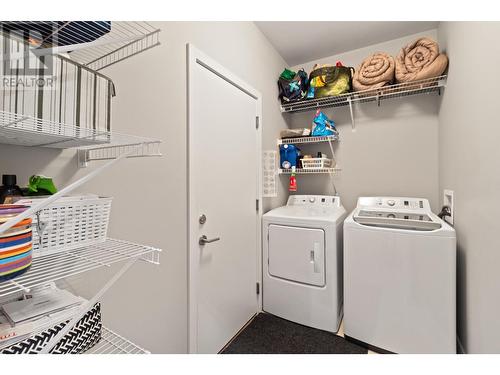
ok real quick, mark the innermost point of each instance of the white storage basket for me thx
(316, 163)
(69, 223)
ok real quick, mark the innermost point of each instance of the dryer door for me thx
(297, 254)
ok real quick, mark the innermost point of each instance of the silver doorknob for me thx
(204, 240)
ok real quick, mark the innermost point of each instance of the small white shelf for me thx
(430, 85)
(113, 343)
(310, 171)
(309, 139)
(57, 266)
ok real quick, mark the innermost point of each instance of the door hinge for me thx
(257, 204)
(257, 288)
(257, 120)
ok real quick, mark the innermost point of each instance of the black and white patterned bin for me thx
(85, 334)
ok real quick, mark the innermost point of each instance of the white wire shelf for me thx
(125, 40)
(429, 85)
(94, 44)
(16, 129)
(53, 267)
(308, 139)
(113, 343)
(310, 171)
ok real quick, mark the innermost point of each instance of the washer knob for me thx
(391, 202)
(312, 199)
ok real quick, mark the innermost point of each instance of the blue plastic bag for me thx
(322, 125)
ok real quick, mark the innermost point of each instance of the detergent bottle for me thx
(293, 181)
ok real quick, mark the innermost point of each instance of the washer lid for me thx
(396, 219)
(307, 213)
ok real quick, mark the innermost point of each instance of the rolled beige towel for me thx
(375, 71)
(420, 60)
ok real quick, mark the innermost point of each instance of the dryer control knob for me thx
(391, 202)
(312, 199)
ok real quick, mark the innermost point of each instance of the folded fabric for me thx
(420, 60)
(375, 71)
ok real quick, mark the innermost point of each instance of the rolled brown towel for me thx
(420, 60)
(375, 71)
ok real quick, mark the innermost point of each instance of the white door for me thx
(297, 254)
(224, 165)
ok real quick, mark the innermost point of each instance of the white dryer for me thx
(302, 252)
(400, 276)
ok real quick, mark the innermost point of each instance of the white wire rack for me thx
(125, 39)
(52, 267)
(310, 171)
(308, 139)
(16, 129)
(94, 44)
(387, 92)
(23, 130)
(113, 343)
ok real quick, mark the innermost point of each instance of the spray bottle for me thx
(293, 181)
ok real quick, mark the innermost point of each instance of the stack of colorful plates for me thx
(15, 243)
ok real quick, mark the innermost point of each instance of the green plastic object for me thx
(41, 185)
(288, 74)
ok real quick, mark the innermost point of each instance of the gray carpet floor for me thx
(268, 334)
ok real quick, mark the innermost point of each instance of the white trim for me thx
(196, 57)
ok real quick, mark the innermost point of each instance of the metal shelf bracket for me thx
(351, 110)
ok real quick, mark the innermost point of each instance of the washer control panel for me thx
(414, 204)
(314, 200)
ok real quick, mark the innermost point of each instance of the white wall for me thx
(469, 157)
(394, 150)
(149, 304)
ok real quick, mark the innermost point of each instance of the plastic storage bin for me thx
(317, 163)
(85, 334)
(69, 223)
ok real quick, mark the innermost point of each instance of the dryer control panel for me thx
(314, 200)
(413, 204)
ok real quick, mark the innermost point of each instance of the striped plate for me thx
(15, 244)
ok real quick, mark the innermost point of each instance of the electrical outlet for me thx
(448, 200)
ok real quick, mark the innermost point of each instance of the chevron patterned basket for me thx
(85, 334)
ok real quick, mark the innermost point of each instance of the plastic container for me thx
(69, 223)
(317, 163)
(9, 190)
(289, 156)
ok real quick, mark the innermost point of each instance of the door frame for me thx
(194, 58)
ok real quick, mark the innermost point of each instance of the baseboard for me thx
(460, 347)
(373, 348)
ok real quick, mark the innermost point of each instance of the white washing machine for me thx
(400, 276)
(302, 276)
